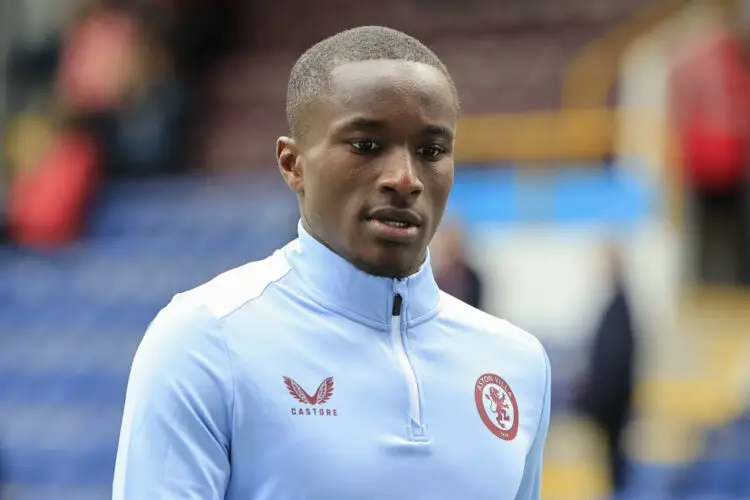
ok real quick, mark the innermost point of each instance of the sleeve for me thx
(176, 428)
(531, 483)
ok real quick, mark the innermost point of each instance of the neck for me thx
(363, 266)
(367, 298)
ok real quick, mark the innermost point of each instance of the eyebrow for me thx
(440, 130)
(366, 124)
(371, 125)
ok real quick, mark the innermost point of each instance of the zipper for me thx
(399, 344)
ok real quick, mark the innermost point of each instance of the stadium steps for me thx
(696, 382)
(573, 468)
(710, 345)
(700, 388)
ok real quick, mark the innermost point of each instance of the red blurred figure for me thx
(48, 204)
(710, 108)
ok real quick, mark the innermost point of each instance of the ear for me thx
(290, 163)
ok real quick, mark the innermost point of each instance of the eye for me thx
(432, 153)
(365, 147)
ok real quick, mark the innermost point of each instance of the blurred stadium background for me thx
(137, 161)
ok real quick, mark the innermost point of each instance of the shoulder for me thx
(502, 333)
(193, 317)
(232, 289)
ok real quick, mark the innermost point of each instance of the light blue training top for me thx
(299, 377)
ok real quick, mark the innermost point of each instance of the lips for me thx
(396, 217)
(394, 225)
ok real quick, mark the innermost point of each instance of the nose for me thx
(400, 175)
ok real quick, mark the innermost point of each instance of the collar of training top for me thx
(339, 286)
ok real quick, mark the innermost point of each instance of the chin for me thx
(391, 262)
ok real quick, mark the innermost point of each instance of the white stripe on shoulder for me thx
(232, 289)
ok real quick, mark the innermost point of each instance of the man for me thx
(453, 271)
(336, 369)
(606, 395)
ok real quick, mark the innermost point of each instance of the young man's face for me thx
(375, 168)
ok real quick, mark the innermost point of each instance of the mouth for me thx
(395, 225)
(392, 223)
(397, 217)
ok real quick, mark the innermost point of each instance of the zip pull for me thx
(397, 302)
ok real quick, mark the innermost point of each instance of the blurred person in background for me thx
(116, 79)
(113, 107)
(221, 400)
(108, 73)
(710, 108)
(606, 391)
(453, 272)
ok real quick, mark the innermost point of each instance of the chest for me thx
(342, 411)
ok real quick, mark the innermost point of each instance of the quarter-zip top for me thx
(416, 427)
(300, 377)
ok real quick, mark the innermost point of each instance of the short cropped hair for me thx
(310, 76)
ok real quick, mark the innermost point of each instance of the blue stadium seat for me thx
(649, 481)
(45, 492)
(70, 321)
(61, 467)
(723, 469)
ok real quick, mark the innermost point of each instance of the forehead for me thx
(391, 90)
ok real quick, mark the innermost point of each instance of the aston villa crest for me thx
(497, 406)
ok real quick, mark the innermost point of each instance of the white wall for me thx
(553, 280)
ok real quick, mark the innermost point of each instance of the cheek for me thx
(332, 191)
(448, 180)
(441, 182)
